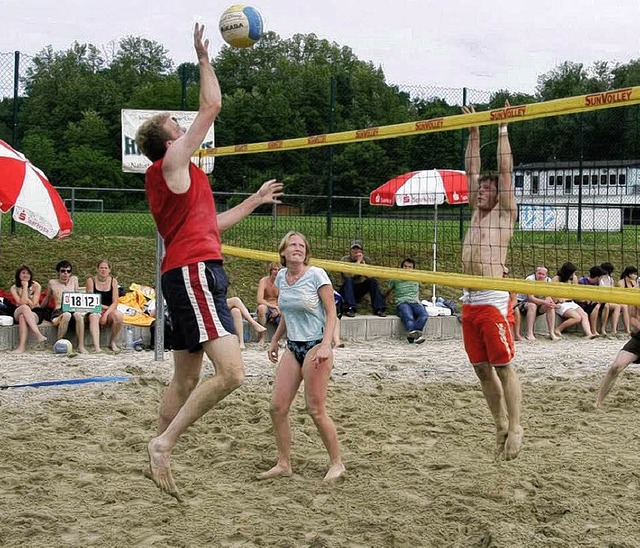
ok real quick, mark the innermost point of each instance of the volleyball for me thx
(241, 26)
(62, 346)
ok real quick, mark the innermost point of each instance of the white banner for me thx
(133, 161)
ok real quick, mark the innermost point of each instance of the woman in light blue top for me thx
(308, 317)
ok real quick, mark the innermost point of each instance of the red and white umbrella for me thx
(26, 189)
(426, 187)
(431, 187)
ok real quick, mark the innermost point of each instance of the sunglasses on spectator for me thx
(64, 270)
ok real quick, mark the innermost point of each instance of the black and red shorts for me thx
(196, 297)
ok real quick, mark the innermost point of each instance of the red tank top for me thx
(187, 222)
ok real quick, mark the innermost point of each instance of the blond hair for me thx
(285, 242)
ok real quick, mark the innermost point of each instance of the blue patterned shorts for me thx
(299, 349)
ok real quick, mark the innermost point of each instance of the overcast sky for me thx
(486, 45)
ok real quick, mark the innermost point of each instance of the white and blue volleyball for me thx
(62, 346)
(241, 26)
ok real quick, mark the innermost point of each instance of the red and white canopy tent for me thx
(430, 187)
(27, 190)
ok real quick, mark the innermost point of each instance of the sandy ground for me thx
(417, 441)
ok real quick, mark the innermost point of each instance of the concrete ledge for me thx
(9, 336)
(361, 328)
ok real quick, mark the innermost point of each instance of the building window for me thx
(576, 180)
(519, 181)
(552, 180)
(622, 179)
(603, 179)
(535, 182)
(567, 184)
(585, 180)
(594, 180)
(612, 179)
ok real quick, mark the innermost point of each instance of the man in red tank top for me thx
(194, 283)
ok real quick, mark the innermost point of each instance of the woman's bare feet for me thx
(17, 351)
(279, 470)
(115, 348)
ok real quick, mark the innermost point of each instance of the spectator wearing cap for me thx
(356, 286)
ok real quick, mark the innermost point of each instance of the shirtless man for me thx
(55, 288)
(267, 300)
(487, 337)
(194, 282)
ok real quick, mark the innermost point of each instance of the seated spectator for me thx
(533, 306)
(55, 288)
(592, 308)
(628, 279)
(106, 286)
(568, 310)
(267, 300)
(28, 313)
(408, 306)
(607, 310)
(239, 311)
(354, 287)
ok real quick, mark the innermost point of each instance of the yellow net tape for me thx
(564, 291)
(568, 105)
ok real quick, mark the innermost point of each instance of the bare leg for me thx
(285, 387)
(605, 318)
(571, 317)
(80, 332)
(512, 397)
(236, 302)
(262, 320)
(551, 324)
(94, 329)
(516, 329)
(493, 394)
(337, 341)
(62, 322)
(186, 374)
(625, 318)
(236, 315)
(615, 318)
(316, 378)
(622, 360)
(116, 320)
(532, 311)
(227, 360)
(22, 335)
(27, 321)
(593, 320)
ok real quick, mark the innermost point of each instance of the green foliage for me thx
(69, 121)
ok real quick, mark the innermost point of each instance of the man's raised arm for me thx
(176, 164)
(506, 198)
(472, 160)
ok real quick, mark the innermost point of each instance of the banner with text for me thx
(133, 161)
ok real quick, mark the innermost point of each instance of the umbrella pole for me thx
(435, 250)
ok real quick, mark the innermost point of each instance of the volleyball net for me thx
(575, 179)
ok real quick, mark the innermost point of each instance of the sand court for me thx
(416, 436)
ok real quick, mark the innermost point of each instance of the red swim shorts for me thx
(486, 335)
